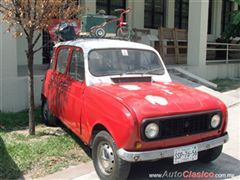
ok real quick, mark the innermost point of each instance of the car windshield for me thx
(107, 62)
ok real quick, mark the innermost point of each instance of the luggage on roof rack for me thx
(66, 32)
(90, 20)
(64, 29)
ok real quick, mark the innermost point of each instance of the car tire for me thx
(47, 117)
(210, 155)
(105, 159)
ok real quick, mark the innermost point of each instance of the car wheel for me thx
(47, 117)
(106, 161)
(210, 155)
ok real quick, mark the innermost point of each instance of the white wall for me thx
(22, 46)
(197, 32)
(215, 71)
(136, 15)
(89, 6)
(170, 13)
(9, 55)
(15, 91)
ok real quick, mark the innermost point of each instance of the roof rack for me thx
(90, 37)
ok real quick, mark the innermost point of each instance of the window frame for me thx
(77, 49)
(180, 16)
(56, 58)
(161, 13)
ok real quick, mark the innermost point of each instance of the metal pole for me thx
(227, 54)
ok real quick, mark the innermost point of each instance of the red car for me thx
(118, 98)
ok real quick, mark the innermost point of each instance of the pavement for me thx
(228, 164)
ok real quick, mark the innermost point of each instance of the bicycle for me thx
(122, 29)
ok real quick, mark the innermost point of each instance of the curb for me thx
(69, 173)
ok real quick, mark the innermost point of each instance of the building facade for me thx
(204, 21)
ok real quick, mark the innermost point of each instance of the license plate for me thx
(185, 154)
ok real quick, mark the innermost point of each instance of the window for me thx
(110, 5)
(108, 62)
(181, 14)
(77, 66)
(227, 7)
(62, 60)
(210, 6)
(154, 13)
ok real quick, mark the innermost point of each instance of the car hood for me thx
(160, 99)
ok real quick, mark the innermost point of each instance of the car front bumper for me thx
(168, 152)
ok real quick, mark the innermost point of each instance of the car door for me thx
(73, 86)
(56, 80)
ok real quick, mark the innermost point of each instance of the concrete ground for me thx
(227, 164)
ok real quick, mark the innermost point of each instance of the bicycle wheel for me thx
(100, 32)
(92, 31)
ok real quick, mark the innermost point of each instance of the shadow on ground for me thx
(225, 164)
(84, 147)
(8, 168)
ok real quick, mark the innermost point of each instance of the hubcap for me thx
(105, 158)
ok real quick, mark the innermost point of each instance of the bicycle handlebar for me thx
(117, 10)
(122, 10)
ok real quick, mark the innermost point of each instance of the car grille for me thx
(181, 125)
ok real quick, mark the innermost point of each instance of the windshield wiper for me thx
(154, 71)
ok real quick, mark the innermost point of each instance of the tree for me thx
(31, 17)
(232, 29)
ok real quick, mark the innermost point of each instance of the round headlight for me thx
(215, 121)
(151, 130)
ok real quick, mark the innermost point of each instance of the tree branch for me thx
(36, 40)
(38, 49)
(18, 19)
(4, 8)
(45, 11)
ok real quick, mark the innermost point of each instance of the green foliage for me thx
(232, 29)
(226, 84)
(238, 2)
(16, 121)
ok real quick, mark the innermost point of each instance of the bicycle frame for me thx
(120, 19)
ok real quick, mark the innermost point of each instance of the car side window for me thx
(62, 60)
(76, 70)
